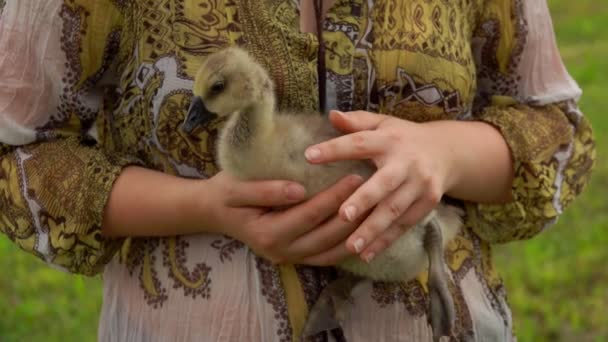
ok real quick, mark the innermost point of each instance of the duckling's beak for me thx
(197, 115)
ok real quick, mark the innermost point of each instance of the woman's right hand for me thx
(308, 232)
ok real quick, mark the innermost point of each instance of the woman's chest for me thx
(411, 59)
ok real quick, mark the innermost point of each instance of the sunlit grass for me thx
(38, 303)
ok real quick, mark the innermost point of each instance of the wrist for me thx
(477, 159)
(146, 202)
(200, 211)
(448, 153)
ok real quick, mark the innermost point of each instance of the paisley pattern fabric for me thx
(89, 87)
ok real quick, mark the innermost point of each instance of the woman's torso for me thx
(412, 59)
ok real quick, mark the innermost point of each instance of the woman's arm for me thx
(53, 185)
(526, 92)
(146, 202)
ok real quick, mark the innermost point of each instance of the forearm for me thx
(145, 202)
(482, 165)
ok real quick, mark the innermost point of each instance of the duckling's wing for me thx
(294, 133)
(318, 127)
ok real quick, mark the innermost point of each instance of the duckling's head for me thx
(229, 81)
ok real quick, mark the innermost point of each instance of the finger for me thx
(417, 211)
(384, 241)
(382, 217)
(329, 234)
(355, 121)
(270, 193)
(358, 145)
(381, 184)
(328, 258)
(306, 216)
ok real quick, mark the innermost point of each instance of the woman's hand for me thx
(417, 164)
(307, 233)
(413, 169)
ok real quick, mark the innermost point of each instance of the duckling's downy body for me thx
(259, 143)
(277, 152)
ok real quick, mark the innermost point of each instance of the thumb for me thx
(257, 193)
(351, 122)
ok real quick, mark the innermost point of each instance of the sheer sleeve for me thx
(525, 91)
(54, 181)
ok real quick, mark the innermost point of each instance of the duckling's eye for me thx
(217, 87)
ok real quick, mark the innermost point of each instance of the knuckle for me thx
(393, 136)
(315, 215)
(359, 142)
(267, 242)
(395, 209)
(374, 228)
(328, 148)
(388, 180)
(366, 198)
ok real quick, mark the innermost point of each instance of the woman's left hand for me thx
(413, 165)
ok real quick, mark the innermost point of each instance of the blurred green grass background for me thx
(557, 282)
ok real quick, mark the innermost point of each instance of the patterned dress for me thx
(89, 87)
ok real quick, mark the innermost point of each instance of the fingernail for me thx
(294, 192)
(359, 244)
(350, 213)
(312, 153)
(340, 112)
(369, 257)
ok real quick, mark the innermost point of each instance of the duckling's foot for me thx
(331, 306)
(442, 313)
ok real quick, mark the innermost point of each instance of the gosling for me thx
(258, 143)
